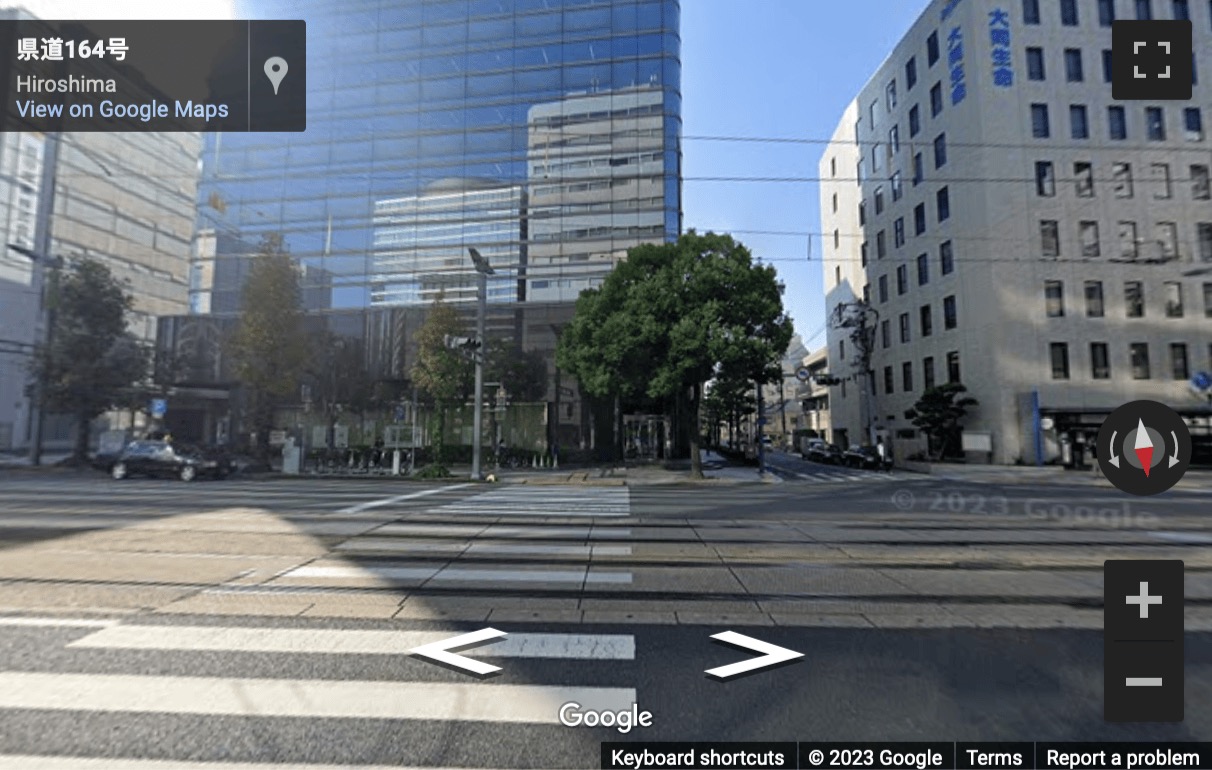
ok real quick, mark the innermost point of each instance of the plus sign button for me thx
(1151, 60)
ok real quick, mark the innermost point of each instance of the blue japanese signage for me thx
(999, 39)
(949, 9)
(955, 60)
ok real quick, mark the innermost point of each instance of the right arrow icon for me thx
(772, 655)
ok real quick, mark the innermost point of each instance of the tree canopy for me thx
(938, 414)
(90, 362)
(672, 317)
(444, 374)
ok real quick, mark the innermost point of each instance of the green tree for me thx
(91, 362)
(269, 348)
(939, 412)
(339, 378)
(443, 373)
(523, 373)
(672, 317)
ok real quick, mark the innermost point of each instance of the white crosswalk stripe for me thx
(545, 501)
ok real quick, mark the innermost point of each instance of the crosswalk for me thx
(104, 670)
(845, 474)
(545, 501)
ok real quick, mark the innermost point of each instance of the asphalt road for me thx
(234, 622)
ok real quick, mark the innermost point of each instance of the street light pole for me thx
(483, 270)
(42, 245)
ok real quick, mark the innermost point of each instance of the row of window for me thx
(1122, 185)
(1143, 9)
(928, 382)
(1074, 68)
(1164, 246)
(942, 211)
(1138, 360)
(925, 325)
(1134, 299)
(1117, 123)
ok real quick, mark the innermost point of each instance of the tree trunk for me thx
(696, 459)
(83, 433)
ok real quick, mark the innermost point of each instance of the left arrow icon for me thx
(771, 655)
(440, 651)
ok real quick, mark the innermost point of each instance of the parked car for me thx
(829, 454)
(863, 457)
(808, 445)
(162, 459)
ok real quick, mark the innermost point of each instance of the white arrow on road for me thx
(440, 651)
(771, 655)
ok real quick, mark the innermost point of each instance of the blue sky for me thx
(775, 68)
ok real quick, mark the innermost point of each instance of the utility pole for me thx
(761, 445)
(483, 270)
(42, 245)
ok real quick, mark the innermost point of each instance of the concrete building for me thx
(813, 396)
(993, 217)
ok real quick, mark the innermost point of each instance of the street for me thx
(223, 624)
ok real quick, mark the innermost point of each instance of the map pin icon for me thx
(275, 70)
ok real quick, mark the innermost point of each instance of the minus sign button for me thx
(1143, 681)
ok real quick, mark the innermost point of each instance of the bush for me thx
(434, 471)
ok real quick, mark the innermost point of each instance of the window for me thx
(950, 314)
(864, 251)
(1117, 126)
(882, 283)
(1166, 235)
(835, 203)
(1106, 12)
(1155, 122)
(918, 169)
(1035, 64)
(1207, 300)
(911, 73)
(1108, 68)
(1121, 179)
(940, 150)
(1161, 180)
(897, 189)
(1174, 299)
(1068, 12)
(1054, 299)
(1079, 123)
(1088, 234)
(881, 244)
(1059, 354)
(1128, 241)
(833, 166)
(907, 376)
(1045, 179)
(943, 200)
(875, 105)
(860, 177)
(862, 212)
(841, 350)
(953, 367)
(915, 121)
(904, 322)
(1083, 178)
(946, 258)
(1073, 65)
(1100, 364)
(888, 383)
(1203, 232)
(1049, 235)
(1134, 299)
(1182, 11)
(928, 372)
(894, 140)
(1201, 188)
(885, 334)
(898, 232)
(902, 279)
(837, 239)
(932, 49)
(890, 95)
(1180, 368)
(1193, 122)
(1094, 299)
(936, 100)
(866, 294)
(1144, 10)
(879, 200)
(919, 219)
(878, 153)
(923, 269)
(1138, 352)
(1039, 121)
(1030, 11)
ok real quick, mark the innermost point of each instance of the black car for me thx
(162, 459)
(863, 457)
(825, 453)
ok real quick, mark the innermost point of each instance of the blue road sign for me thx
(1202, 381)
(159, 407)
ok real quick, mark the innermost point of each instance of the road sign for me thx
(802, 374)
(159, 407)
(1201, 382)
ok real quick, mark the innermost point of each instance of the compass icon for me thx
(1144, 447)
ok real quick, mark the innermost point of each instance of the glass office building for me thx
(545, 133)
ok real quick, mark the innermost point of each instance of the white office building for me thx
(993, 217)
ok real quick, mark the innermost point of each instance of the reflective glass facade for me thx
(545, 133)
